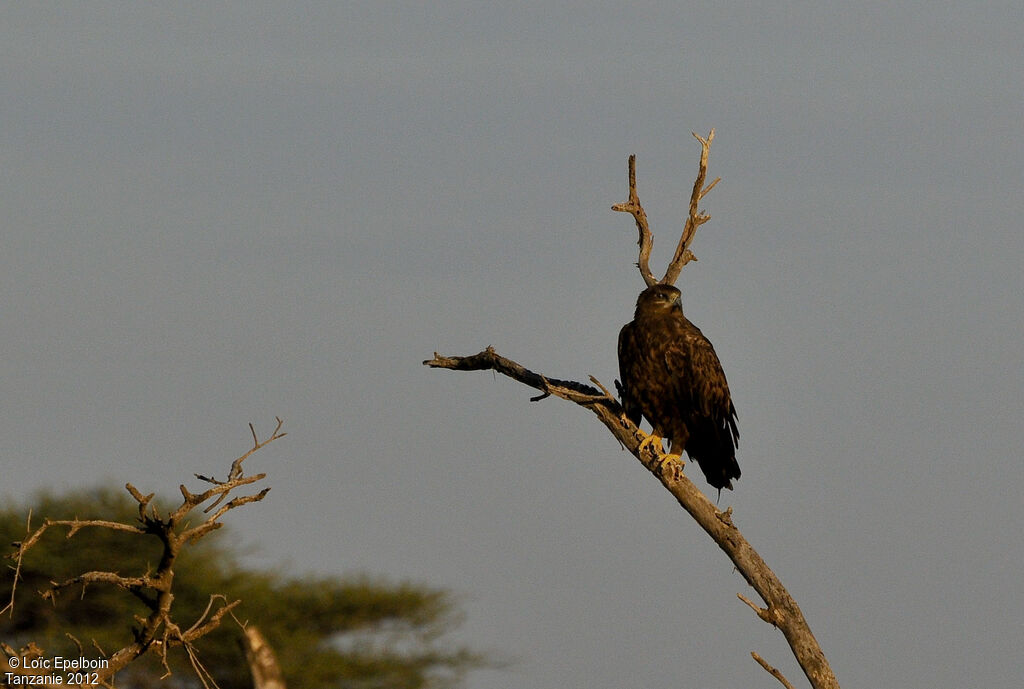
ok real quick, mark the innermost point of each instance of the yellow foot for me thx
(652, 443)
(672, 465)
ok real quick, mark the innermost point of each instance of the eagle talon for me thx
(672, 465)
(653, 443)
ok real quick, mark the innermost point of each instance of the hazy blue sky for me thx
(213, 214)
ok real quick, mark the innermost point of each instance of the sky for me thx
(215, 214)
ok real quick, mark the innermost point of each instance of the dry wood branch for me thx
(127, 583)
(158, 631)
(236, 466)
(9, 608)
(694, 219)
(785, 612)
(771, 670)
(74, 526)
(645, 240)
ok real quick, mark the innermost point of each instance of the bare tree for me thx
(780, 609)
(159, 631)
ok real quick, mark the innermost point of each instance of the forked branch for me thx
(781, 611)
(694, 219)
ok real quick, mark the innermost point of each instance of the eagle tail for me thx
(720, 471)
(717, 459)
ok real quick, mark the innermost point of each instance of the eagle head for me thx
(659, 299)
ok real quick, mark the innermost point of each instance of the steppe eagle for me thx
(672, 376)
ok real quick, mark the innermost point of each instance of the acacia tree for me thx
(780, 609)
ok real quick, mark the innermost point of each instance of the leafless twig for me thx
(771, 670)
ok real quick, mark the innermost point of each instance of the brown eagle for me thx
(671, 375)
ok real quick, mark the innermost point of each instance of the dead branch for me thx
(645, 240)
(774, 672)
(17, 569)
(782, 610)
(236, 466)
(694, 219)
(158, 631)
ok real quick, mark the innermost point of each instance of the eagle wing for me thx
(649, 386)
(702, 397)
(700, 384)
(630, 372)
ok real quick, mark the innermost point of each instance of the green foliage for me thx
(326, 632)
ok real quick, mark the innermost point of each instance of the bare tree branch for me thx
(158, 631)
(236, 466)
(782, 610)
(694, 219)
(645, 240)
(9, 608)
(771, 670)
